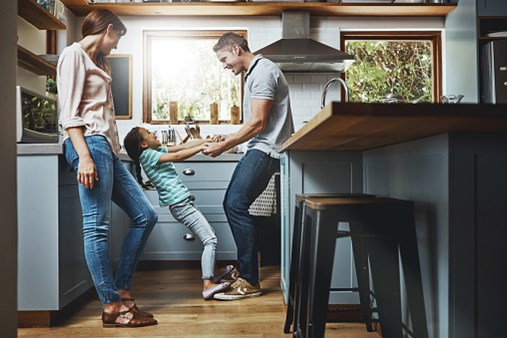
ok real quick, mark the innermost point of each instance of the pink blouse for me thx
(85, 98)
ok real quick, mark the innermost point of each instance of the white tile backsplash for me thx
(305, 89)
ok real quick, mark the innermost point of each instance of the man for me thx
(268, 123)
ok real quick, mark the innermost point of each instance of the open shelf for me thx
(34, 63)
(32, 12)
(82, 8)
(491, 24)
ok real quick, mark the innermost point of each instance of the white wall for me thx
(305, 89)
(8, 215)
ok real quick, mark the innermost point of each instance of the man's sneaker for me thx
(240, 289)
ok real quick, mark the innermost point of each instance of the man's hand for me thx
(215, 149)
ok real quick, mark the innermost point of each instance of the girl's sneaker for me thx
(228, 273)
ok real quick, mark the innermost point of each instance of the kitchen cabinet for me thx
(52, 270)
(491, 7)
(82, 7)
(51, 266)
(320, 172)
(207, 181)
(40, 18)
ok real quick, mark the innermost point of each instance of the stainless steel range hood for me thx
(297, 52)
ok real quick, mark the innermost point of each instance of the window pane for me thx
(186, 70)
(403, 67)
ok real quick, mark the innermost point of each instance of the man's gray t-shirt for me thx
(264, 80)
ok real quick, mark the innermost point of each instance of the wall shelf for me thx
(82, 8)
(34, 63)
(42, 19)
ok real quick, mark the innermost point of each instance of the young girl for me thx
(143, 148)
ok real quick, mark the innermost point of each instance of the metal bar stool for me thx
(295, 313)
(387, 226)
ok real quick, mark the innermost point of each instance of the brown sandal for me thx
(137, 320)
(135, 308)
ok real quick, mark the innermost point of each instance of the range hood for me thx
(297, 52)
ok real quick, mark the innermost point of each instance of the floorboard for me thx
(174, 296)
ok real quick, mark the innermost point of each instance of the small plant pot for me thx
(214, 113)
(173, 112)
(235, 115)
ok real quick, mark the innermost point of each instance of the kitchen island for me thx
(451, 161)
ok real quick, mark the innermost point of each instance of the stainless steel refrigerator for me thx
(493, 72)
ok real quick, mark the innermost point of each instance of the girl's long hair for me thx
(132, 144)
(96, 22)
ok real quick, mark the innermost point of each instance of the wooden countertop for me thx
(362, 126)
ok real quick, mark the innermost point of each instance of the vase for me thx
(173, 112)
(235, 115)
(214, 113)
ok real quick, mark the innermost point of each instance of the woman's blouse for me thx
(85, 97)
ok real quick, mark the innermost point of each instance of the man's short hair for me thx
(228, 40)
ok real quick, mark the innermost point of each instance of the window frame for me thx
(147, 64)
(433, 36)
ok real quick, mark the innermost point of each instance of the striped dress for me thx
(163, 176)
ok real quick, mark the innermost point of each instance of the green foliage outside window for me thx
(383, 67)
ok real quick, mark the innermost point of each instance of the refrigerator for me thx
(493, 72)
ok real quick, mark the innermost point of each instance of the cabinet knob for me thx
(189, 237)
(189, 172)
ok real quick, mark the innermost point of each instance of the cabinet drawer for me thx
(205, 175)
(207, 201)
(167, 242)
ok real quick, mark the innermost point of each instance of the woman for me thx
(91, 145)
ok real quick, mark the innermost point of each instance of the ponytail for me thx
(132, 143)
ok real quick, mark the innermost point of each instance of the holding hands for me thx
(217, 146)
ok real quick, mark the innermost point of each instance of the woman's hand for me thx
(87, 172)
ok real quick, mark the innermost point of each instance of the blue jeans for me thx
(115, 184)
(250, 178)
(186, 213)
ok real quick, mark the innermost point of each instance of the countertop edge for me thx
(25, 149)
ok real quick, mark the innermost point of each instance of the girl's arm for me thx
(186, 145)
(182, 154)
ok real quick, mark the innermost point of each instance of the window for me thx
(403, 63)
(184, 81)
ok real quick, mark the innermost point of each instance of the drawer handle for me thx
(189, 172)
(189, 237)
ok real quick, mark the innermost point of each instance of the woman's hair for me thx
(132, 144)
(96, 22)
(228, 40)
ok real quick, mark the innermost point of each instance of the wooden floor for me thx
(174, 296)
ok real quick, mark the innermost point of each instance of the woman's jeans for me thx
(186, 213)
(115, 184)
(250, 178)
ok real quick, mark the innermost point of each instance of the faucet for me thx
(325, 90)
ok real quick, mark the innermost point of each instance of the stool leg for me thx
(362, 275)
(412, 274)
(323, 235)
(384, 259)
(293, 269)
(302, 286)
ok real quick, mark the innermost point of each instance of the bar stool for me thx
(299, 265)
(387, 226)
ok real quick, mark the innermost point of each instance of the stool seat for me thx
(387, 226)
